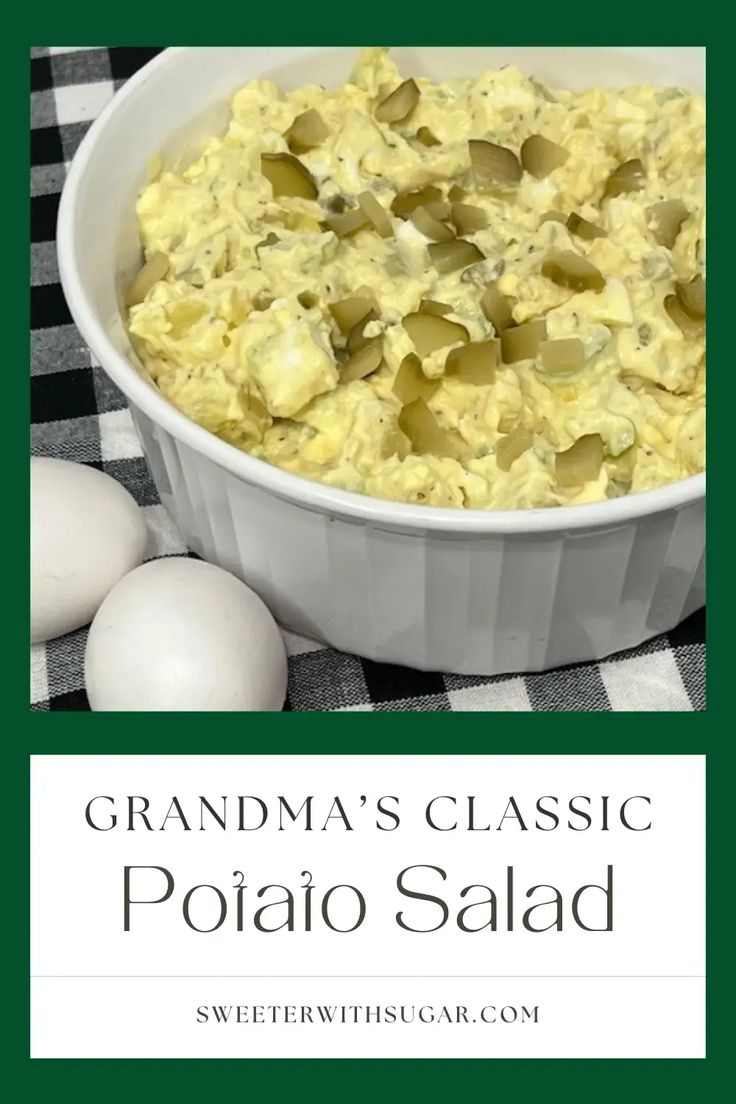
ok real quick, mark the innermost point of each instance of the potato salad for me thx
(482, 293)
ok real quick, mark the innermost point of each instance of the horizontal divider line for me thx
(349, 977)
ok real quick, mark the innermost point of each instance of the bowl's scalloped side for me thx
(489, 604)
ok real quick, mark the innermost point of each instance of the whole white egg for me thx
(179, 634)
(86, 533)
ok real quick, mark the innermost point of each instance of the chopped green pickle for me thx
(493, 166)
(431, 306)
(570, 270)
(349, 222)
(667, 217)
(475, 362)
(377, 214)
(356, 339)
(581, 463)
(349, 312)
(497, 308)
(522, 342)
(588, 231)
(449, 256)
(406, 202)
(689, 326)
(364, 362)
(540, 157)
(410, 382)
(400, 103)
(426, 137)
(439, 208)
(512, 446)
(287, 176)
(691, 297)
(629, 177)
(306, 132)
(430, 226)
(566, 354)
(419, 424)
(553, 216)
(431, 331)
(468, 219)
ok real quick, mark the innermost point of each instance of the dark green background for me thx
(514, 1080)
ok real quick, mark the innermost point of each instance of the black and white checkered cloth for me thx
(79, 415)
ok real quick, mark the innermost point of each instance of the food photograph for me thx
(368, 378)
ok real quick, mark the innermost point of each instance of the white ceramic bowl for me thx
(464, 591)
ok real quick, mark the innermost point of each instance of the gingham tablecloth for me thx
(78, 414)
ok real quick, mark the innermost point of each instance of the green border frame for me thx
(516, 1080)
